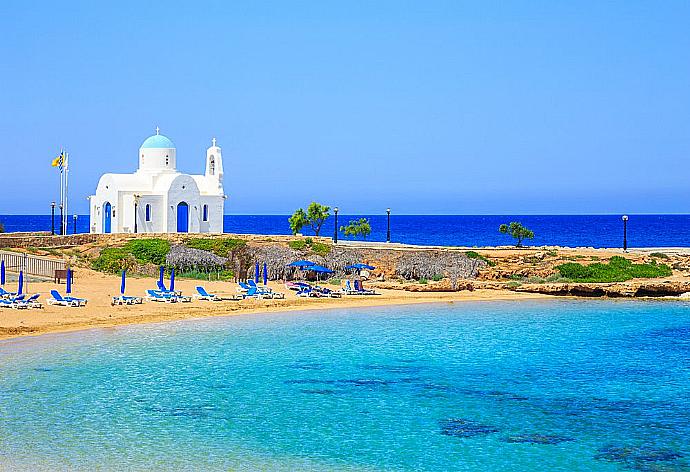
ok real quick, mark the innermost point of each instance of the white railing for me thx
(30, 264)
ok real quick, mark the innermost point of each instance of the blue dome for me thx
(157, 141)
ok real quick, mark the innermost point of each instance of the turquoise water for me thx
(555, 385)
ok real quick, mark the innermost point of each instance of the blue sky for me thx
(427, 107)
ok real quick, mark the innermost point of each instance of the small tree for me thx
(316, 215)
(298, 220)
(517, 231)
(356, 228)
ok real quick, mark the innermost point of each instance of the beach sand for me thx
(99, 289)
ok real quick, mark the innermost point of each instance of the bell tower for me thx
(214, 163)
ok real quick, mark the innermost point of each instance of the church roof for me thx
(157, 141)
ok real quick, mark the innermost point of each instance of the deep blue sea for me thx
(560, 385)
(457, 230)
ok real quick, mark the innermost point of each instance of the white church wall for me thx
(157, 222)
(183, 189)
(157, 159)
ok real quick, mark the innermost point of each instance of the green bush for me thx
(618, 269)
(659, 255)
(476, 255)
(151, 251)
(113, 260)
(222, 247)
(297, 245)
(437, 278)
(320, 249)
(423, 281)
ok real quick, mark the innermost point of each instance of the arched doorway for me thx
(107, 217)
(182, 217)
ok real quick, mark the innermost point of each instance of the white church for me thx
(159, 199)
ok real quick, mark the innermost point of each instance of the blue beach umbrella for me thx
(122, 284)
(160, 277)
(265, 274)
(172, 280)
(301, 264)
(69, 281)
(2, 272)
(318, 270)
(20, 290)
(256, 273)
(359, 266)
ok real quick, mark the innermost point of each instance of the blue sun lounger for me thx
(65, 301)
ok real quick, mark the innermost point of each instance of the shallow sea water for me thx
(544, 385)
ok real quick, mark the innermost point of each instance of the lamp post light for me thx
(62, 226)
(52, 218)
(625, 232)
(335, 229)
(136, 204)
(388, 232)
(74, 224)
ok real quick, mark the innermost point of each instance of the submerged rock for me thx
(462, 428)
(537, 439)
(636, 455)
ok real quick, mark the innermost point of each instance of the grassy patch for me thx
(151, 251)
(423, 281)
(334, 281)
(437, 278)
(618, 269)
(659, 255)
(113, 260)
(223, 275)
(320, 249)
(222, 247)
(513, 284)
(476, 255)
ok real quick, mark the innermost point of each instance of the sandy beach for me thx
(99, 289)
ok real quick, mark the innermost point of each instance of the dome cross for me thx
(158, 130)
(213, 141)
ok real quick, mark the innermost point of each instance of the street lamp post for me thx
(136, 204)
(52, 218)
(335, 229)
(625, 232)
(74, 224)
(388, 232)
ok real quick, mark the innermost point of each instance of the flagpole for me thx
(66, 193)
(62, 192)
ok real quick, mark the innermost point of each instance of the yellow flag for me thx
(57, 162)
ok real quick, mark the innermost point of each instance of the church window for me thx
(166, 160)
(205, 212)
(212, 166)
(148, 212)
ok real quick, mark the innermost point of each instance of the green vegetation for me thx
(517, 231)
(356, 228)
(315, 215)
(223, 275)
(114, 260)
(618, 269)
(513, 284)
(423, 281)
(476, 255)
(437, 278)
(594, 258)
(552, 252)
(659, 255)
(151, 251)
(298, 245)
(222, 247)
(334, 281)
(320, 249)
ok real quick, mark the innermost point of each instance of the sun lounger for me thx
(349, 290)
(202, 294)
(363, 291)
(17, 302)
(156, 296)
(31, 302)
(65, 301)
(162, 289)
(126, 300)
(327, 292)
